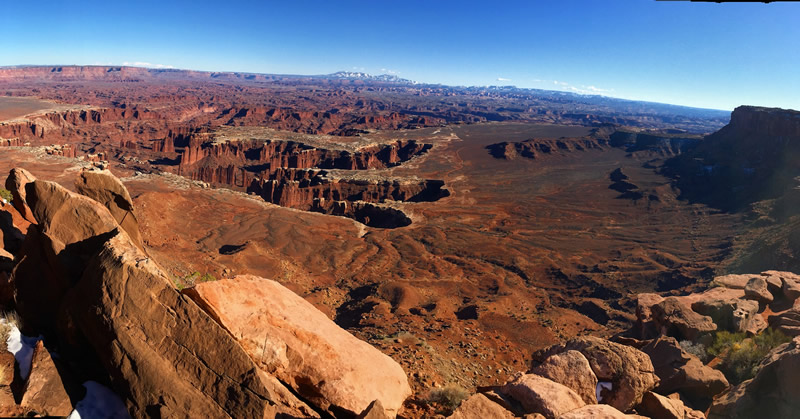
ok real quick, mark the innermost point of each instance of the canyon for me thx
(456, 230)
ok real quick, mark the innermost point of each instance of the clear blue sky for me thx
(698, 54)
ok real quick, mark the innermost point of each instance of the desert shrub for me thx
(7, 321)
(696, 349)
(741, 358)
(448, 397)
(724, 340)
(6, 194)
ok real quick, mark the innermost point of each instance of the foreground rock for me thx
(15, 183)
(571, 369)
(595, 411)
(673, 317)
(629, 371)
(539, 395)
(680, 371)
(105, 188)
(70, 230)
(165, 356)
(44, 391)
(479, 406)
(657, 406)
(773, 393)
(290, 339)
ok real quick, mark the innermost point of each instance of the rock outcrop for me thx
(629, 371)
(539, 395)
(773, 393)
(675, 318)
(288, 338)
(678, 370)
(44, 391)
(106, 189)
(15, 183)
(571, 369)
(480, 406)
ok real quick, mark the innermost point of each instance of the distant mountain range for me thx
(357, 75)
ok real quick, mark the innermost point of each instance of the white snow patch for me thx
(99, 403)
(22, 348)
(600, 386)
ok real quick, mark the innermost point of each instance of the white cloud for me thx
(584, 90)
(503, 79)
(146, 64)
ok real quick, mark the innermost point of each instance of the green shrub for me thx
(741, 357)
(448, 397)
(6, 194)
(724, 340)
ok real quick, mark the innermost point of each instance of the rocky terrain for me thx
(478, 237)
(725, 351)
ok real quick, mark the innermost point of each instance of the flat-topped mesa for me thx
(313, 190)
(290, 154)
(773, 122)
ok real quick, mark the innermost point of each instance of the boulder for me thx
(166, 357)
(539, 395)
(15, 182)
(44, 391)
(71, 229)
(733, 315)
(681, 371)
(787, 322)
(374, 411)
(628, 370)
(675, 318)
(732, 281)
(479, 406)
(8, 406)
(644, 326)
(289, 338)
(756, 289)
(657, 406)
(107, 189)
(595, 411)
(773, 393)
(790, 288)
(571, 369)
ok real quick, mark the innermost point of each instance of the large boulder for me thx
(787, 322)
(164, 354)
(15, 182)
(44, 391)
(756, 289)
(732, 281)
(595, 411)
(571, 369)
(292, 340)
(773, 393)
(107, 189)
(71, 230)
(479, 406)
(681, 371)
(733, 314)
(539, 395)
(628, 371)
(675, 318)
(116, 314)
(656, 406)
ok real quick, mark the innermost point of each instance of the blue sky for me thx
(697, 54)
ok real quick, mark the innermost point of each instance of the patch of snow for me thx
(22, 348)
(600, 387)
(100, 403)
